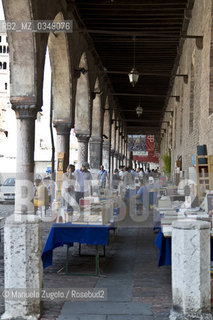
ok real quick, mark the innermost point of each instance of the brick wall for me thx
(198, 88)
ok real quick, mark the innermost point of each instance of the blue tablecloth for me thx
(68, 233)
(164, 246)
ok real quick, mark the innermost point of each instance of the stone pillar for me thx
(95, 152)
(63, 139)
(115, 157)
(191, 271)
(126, 154)
(22, 231)
(112, 162)
(82, 148)
(122, 149)
(106, 156)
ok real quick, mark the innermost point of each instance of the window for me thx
(191, 106)
(4, 49)
(9, 182)
(6, 38)
(0, 65)
(0, 49)
(5, 86)
(7, 49)
(0, 38)
(5, 65)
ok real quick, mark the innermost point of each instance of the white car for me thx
(7, 190)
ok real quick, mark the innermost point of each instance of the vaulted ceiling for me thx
(158, 27)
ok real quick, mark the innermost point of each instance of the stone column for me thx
(83, 141)
(191, 271)
(115, 158)
(63, 139)
(111, 162)
(22, 231)
(126, 153)
(106, 156)
(95, 152)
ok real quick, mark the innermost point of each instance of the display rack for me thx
(204, 171)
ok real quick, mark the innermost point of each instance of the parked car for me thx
(7, 190)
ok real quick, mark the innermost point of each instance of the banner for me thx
(150, 144)
(137, 144)
(150, 158)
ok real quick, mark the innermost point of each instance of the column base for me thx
(23, 267)
(10, 316)
(190, 316)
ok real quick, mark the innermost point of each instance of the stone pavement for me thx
(136, 288)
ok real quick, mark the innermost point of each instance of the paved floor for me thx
(136, 288)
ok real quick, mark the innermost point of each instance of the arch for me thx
(23, 62)
(61, 75)
(82, 100)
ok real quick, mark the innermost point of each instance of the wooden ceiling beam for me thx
(138, 95)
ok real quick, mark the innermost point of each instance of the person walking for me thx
(83, 178)
(102, 176)
(115, 179)
(41, 198)
(67, 191)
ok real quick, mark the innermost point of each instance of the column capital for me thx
(83, 138)
(25, 107)
(106, 144)
(25, 111)
(62, 127)
(94, 139)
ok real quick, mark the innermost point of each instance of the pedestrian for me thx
(129, 185)
(50, 184)
(115, 179)
(83, 178)
(67, 190)
(102, 176)
(41, 199)
(139, 198)
(128, 177)
(121, 171)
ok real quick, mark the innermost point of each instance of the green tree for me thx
(167, 164)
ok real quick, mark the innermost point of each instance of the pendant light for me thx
(134, 74)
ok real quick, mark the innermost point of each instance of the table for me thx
(164, 246)
(69, 233)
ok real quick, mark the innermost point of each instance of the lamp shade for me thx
(133, 76)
